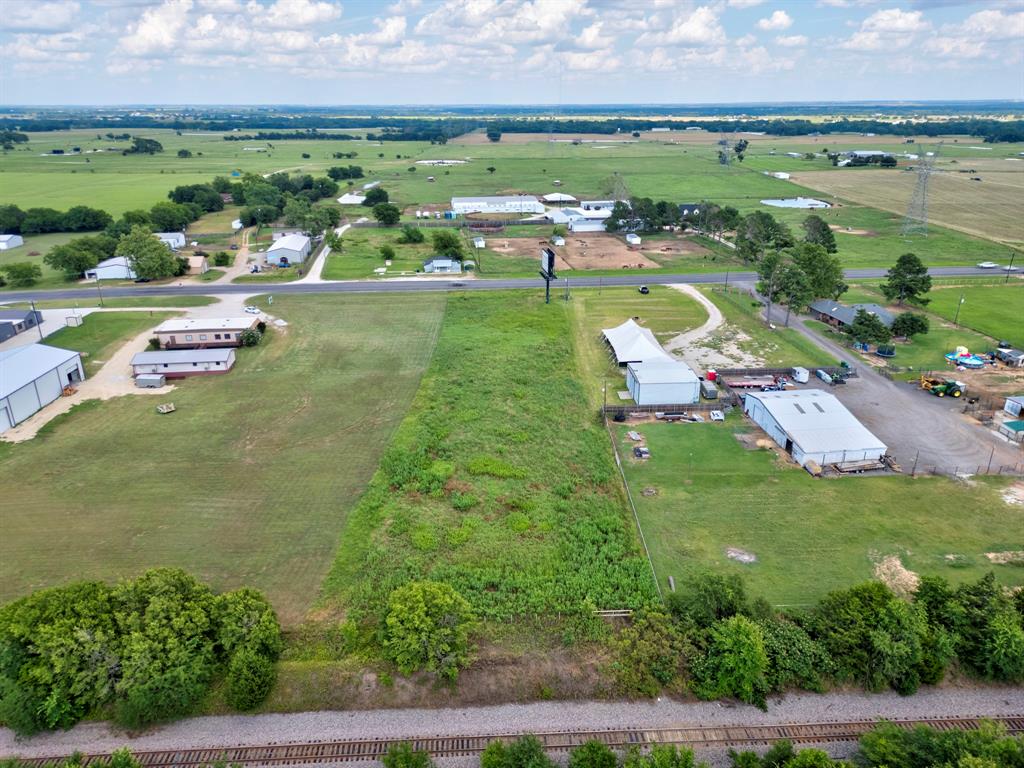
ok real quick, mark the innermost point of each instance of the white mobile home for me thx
(442, 266)
(32, 377)
(10, 241)
(117, 268)
(813, 426)
(202, 332)
(662, 382)
(179, 363)
(288, 250)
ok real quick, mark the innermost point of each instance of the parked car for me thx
(252, 310)
(644, 289)
(987, 265)
(234, 246)
(143, 279)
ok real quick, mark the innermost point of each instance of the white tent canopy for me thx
(632, 343)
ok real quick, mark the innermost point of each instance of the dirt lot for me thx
(589, 251)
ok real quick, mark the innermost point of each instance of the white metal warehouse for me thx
(32, 377)
(497, 204)
(290, 249)
(662, 382)
(813, 426)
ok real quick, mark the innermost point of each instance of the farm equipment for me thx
(941, 387)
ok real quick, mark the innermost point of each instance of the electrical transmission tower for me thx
(725, 146)
(916, 220)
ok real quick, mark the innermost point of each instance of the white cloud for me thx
(221, 6)
(29, 14)
(791, 41)
(206, 25)
(894, 20)
(156, 31)
(777, 22)
(744, 3)
(404, 6)
(699, 28)
(42, 53)
(592, 39)
(954, 47)
(993, 25)
(288, 14)
(390, 31)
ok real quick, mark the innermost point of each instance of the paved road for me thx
(431, 284)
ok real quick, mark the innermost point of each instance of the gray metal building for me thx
(32, 377)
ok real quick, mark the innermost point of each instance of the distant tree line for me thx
(440, 129)
(310, 134)
(148, 649)
(34, 221)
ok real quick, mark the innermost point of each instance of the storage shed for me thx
(32, 377)
(288, 250)
(1014, 405)
(173, 240)
(1011, 357)
(813, 426)
(662, 382)
(10, 241)
(15, 321)
(179, 363)
(116, 268)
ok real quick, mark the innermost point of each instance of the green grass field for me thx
(102, 333)
(686, 170)
(499, 481)
(360, 254)
(120, 303)
(249, 482)
(809, 535)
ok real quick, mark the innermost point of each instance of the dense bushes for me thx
(733, 647)
(80, 218)
(427, 627)
(149, 647)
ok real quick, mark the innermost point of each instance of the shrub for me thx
(222, 259)
(386, 214)
(661, 756)
(592, 754)
(387, 252)
(404, 756)
(794, 659)
(375, 196)
(427, 627)
(251, 675)
(250, 337)
(709, 597)
(447, 242)
(734, 664)
(650, 655)
(246, 620)
(411, 234)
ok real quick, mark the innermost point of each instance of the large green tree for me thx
(387, 214)
(80, 255)
(21, 274)
(818, 232)
(759, 234)
(824, 271)
(794, 288)
(867, 328)
(147, 255)
(427, 626)
(907, 280)
(11, 217)
(447, 242)
(910, 324)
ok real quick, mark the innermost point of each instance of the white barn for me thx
(117, 268)
(813, 425)
(290, 249)
(173, 240)
(662, 382)
(10, 241)
(499, 204)
(32, 377)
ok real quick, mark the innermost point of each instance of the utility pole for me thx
(1013, 255)
(98, 291)
(38, 324)
(959, 304)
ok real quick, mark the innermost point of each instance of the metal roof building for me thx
(662, 382)
(178, 363)
(497, 204)
(813, 426)
(842, 314)
(34, 376)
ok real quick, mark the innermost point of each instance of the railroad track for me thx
(355, 750)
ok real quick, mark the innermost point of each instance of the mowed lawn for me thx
(249, 482)
(809, 535)
(102, 333)
(995, 310)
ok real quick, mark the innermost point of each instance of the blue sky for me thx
(507, 51)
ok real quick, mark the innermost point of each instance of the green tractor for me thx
(943, 387)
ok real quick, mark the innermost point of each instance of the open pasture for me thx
(249, 482)
(809, 536)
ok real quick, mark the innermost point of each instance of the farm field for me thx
(102, 333)
(990, 208)
(249, 482)
(684, 169)
(499, 481)
(809, 535)
(360, 254)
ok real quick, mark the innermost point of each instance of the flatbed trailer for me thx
(750, 382)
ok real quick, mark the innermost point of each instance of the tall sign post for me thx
(547, 271)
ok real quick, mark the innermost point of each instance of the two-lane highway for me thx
(430, 284)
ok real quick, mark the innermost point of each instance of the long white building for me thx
(501, 204)
(32, 377)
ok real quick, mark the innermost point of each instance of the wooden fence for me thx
(726, 401)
